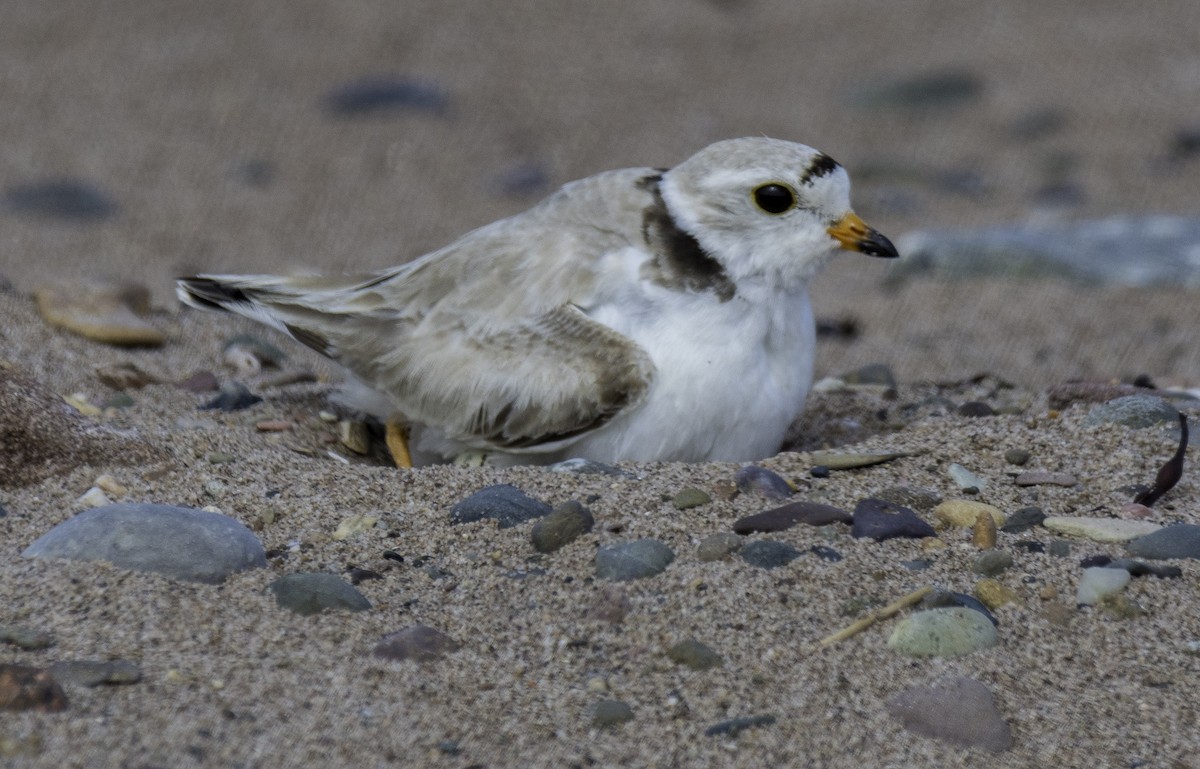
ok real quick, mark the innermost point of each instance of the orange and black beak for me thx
(854, 235)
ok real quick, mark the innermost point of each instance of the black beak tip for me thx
(875, 244)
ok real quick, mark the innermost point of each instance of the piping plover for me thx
(639, 314)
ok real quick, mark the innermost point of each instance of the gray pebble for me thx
(567, 523)
(1017, 456)
(1060, 548)
(69, 199)
(313, 593)
(735, 726)
(1025, 518)
(610, 713)
(966, 480)
(503, 503)
(881, 521)
(581, 466)
(714, 547)
(419, 643)
(753, 479)
(690, 497)
(767, 554)
(695, 655)
(234, 396)
(959, 710)
(1039, 478)
(375, 94)
(148, 537)
(1181, 540)
(25, 637)
(992, 562)
(633, 560)
(1135, 411)
(96, 672)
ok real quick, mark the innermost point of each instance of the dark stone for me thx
(96, 672)
(826, 553)
(26, 688)
(695, 655)
(1030, 546)
(633, 560)
(881, 520)
(735, 726)
(992, 562)
(199, 382)
(25, 637)
(504, 503)
(610, 713)
(768, 554)
(1025, 518)
(313, 593)
(1142, 569)
(378, 94)
(976, 409)
(753, 479)
(781, 518)
(820, 471)
(1017, 456)
(942, 598)
(1181, 540)
(68, 199)
(419, 643)
(565, 524)
(1060, 548)
(234, 396)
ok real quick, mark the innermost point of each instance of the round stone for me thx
(633, 560)
(313, 593)
(948, 632)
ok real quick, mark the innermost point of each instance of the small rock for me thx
(994, 594)
(695, 655)
(1135, 411)
(1060, 548)
(1136, 512)
(881, 520)
(125, 376)
(26, 688)
(1017, 457)
(199, 382)
(101, 313)
(690, 497)
(910, 496)
(111, 486)
(96, 672)
(313, 593)
(714, 547)
(962, 513)
(611, 605)
(179, 542)
(1025, 518)
(25, 638)
(354, 524)
(610, 713)
(753, 479)
(419, 643)
(781, 518)
(769, 555)
(375, 94)
(565, 524)
(93, 497)
(966, 479)
(975, 409)
(1181, 540)
(355, 435)
(826, 553)
(1100, 529)
(1142, 569)
(939, 599)
(948, 632)
(1098, 582)
(234, 396)
(273, 425)
(735, 726)
(66, 199)
(957, 710)
(503, 503)
(633, 560)
(581, 466)
(983, 533)
(1037, 478)
(852, 460)
(992, 562)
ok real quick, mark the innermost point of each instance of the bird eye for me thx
(774, 198)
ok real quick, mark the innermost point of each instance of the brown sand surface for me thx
(203, 122)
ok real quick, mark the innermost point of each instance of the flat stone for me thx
(753, 479)
(26, 688)
(503, 503)
(966, 480)
(633, 560)
(781, 518)
(1100, 529)
(881, 520)
(834, 460)
(611, 713)
(312, 593)
(376, 94)
(714, 547)
(690, 497)
(769, 555)
(695, 655)
(947, 632)
(939, 599)
(418, 643)
(66, 199)
(1182, 540)
(994, 594)
(1025, 518)
(960, 711)
(101, 313)
(565, 524)
(735, 726)
(961, 513)
(1039, 478)
(1098, 582)
(96, 672)
(1135, 411)
(992, 562)
(179, 542)
(25, 637)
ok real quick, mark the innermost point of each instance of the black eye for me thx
(774, 198)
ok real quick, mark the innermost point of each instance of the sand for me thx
(203, 123)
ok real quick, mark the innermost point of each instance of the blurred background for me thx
(141, 141)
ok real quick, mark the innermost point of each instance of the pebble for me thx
(233, 396)
(961, 513)
(419, 643)
(994, 594)
(1025, 518)
(983, 532)
(690, 497)
(1017, 457)
(93, 497)
(199, 382)
(735, 726)
(70, 199)
(853, 460)
(753, 479)
(947, 598)
(768, 554)
(312, 593)
(910, 496)
(782, 518)
(1142, 569)
(714, 547)
(96, 672)
(355, 435)
(582, 466)
(378, 94)
(1060, 548)
(1038, 478)
(503, 503)
(25, 638)
(1134, 411)
(826, 553)
(273, 425)
(354, 524)
(958, 710)
(610, 713)
(565, 524)
(611, 605)
(1181, 540)
(1137, 512)
(945, 632)
(881, 520)
(992, 562)
(975, 409)
(1100, 529)
(26, 688)
(695, 655)
(966, 480)
(1098, 582)
(111, 486)
(633, 560)
(100, 312)
(125, 376)
(150, 537)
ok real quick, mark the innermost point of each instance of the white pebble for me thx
(1098, 582)
(94, 497)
